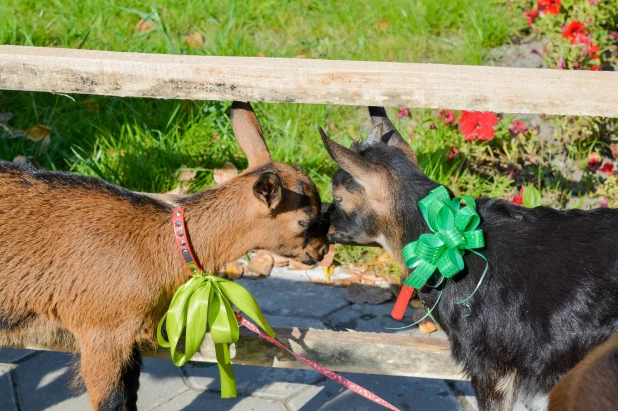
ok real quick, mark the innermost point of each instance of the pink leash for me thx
(333, 376)
(184, 246)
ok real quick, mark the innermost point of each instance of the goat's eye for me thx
(303, 223)
(338, 199)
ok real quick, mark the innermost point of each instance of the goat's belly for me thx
(38, 333)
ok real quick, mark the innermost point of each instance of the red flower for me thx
(592, 50)
(593, 2)
(518, 127)
(595, 68)
(575, 30)
(594, 161)
(403, 112)
(608, 168)
(549, 6)
(447, 116)
(519, 199)
(477, 125)
(531, 16)
(614, 35)
(451, 154)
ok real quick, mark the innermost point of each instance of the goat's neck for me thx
(219, 225)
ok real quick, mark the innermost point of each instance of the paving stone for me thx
(160, 380)
(199, 401)
(7, 401)
(402, 392)
(265, 382)
(294, 299)
(284, 321)
(369, 318)
(464, 392)
(11, 355)
(43, 384)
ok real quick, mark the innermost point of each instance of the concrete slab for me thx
(12, 355)
(199, 401)
(273, 383)
(295, 299)
(7, 397)
(160, 381)
(404, 393)
(368, 318)
(43, 384)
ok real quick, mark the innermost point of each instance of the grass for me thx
(143, 144)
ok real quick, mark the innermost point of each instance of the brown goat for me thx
(91, 265)
(592, 384)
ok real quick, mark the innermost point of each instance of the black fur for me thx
(549, 298)
(130, 380)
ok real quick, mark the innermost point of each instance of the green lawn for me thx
(142, 143)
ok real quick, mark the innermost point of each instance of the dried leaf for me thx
(261, 54)
(38, 132)
(187, 175)
(233, 270)
(261, 263)
(20, 159)
(194, 40)
(91, 104)
(297, 265)
(142, 26)
(43, 145)
(364, 294)
(280, 261)
(383, 24)
(225, 173)
(6, 117)
(301, 56)
(614, 148)
(328, 258)
(427, 326)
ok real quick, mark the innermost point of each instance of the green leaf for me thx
(532, 197)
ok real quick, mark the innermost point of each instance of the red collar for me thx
(182, 240)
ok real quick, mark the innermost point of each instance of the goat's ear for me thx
(268, 189)
(388, 134)
(249, 134)
(366, 173)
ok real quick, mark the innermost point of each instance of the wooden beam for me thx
(342, 351)
(497, 89)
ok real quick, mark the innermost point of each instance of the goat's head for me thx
(285, 206)
(377, 187)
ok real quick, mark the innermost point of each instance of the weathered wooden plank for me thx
(498, 89)
(342, 351)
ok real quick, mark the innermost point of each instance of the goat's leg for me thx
(494, 396)
(103, 364)
(130, 380)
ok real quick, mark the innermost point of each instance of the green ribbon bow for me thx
(454, 231)
(204, 302)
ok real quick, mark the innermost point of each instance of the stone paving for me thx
(37, 380)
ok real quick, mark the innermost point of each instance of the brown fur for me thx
(592, 384)
(86, 262)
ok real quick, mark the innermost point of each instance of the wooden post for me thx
(497, 89)
(343, 351)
